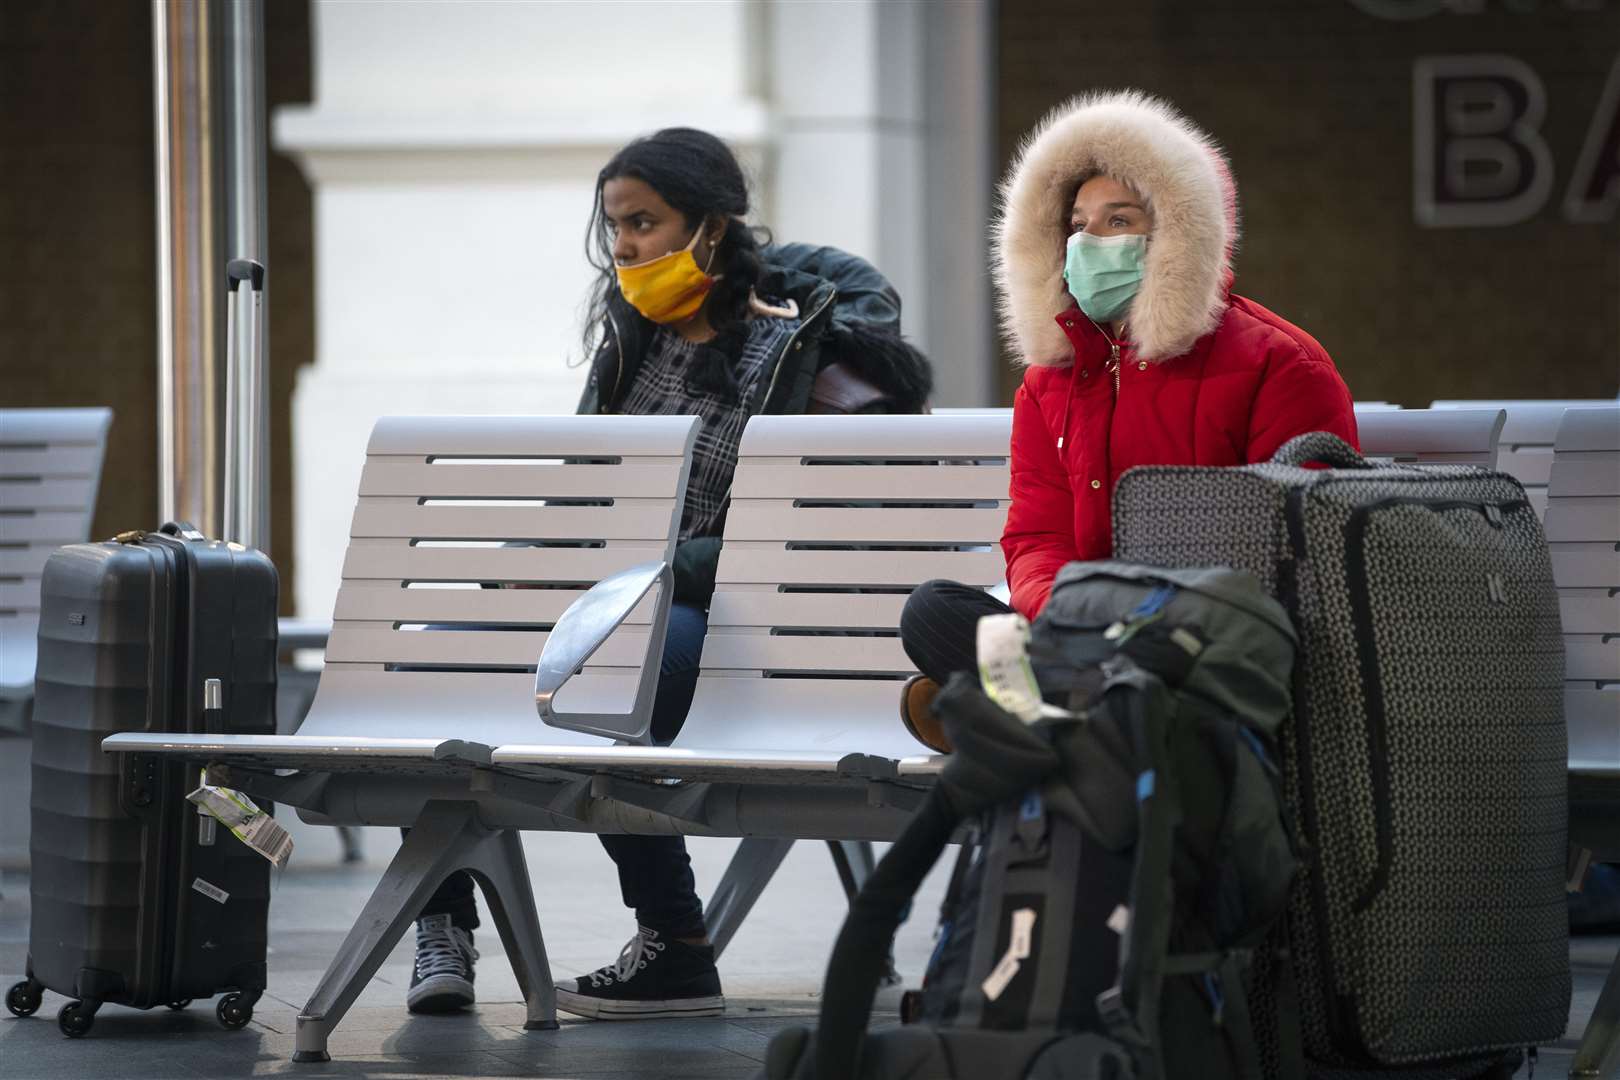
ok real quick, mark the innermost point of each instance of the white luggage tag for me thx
(240, 814)
(1004, 671)
(1019, 944)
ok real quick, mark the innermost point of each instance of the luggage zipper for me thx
(1372, 687)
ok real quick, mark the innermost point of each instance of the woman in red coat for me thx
(1114, 263)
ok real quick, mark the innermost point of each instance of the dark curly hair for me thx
(698, 175)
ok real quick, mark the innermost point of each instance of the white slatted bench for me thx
(1429, 436)
(1525, 446)
(807, 744)
(50, 470)
(428, 668)
(833, 521)
(1583, 529)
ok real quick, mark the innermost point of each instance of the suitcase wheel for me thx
(182, 1004)
(24, 998)
(77, 1018)
(233, 1011)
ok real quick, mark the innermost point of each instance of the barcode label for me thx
(264, 835)
(213, 892)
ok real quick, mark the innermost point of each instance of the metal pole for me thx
(187, 264)
(247, 450)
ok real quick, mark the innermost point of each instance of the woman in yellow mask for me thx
(693, 312)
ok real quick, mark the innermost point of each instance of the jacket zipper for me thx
(1113, 366)
(770, 387)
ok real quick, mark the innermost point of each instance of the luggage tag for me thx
(1019, 944)
(240, 814)
(1004, 670)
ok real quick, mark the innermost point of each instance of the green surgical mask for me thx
(1104, 272)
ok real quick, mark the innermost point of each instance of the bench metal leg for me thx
(746, 876)
(446, 837)
(1599, 1053)
(855, 861)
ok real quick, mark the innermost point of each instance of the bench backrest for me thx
(50, 469)
(1583, 530)
(1429, 436)
(833, 521)
(1525, 446)
(471, 536)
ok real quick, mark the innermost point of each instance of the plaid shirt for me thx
(661, 389)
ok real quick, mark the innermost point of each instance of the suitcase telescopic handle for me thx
(1323, 447)
(240, 270)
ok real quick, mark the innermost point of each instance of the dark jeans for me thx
(939, 626)
(655, 874)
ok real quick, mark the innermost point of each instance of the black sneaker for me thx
(652, 978)
(443, 979)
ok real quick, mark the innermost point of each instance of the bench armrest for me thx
(590, 621)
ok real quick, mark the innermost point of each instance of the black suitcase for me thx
(138, 899)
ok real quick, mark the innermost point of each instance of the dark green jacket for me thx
(849, 314)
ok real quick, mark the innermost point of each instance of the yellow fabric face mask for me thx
(668, 289)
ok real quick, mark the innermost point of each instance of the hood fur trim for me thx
(1142, 142)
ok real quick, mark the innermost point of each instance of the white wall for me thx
(453, 147)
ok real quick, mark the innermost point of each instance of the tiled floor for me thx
(772, 974)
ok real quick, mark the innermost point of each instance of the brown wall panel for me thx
(1313, 99)
(78, 294)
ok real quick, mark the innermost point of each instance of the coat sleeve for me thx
(1300, 392)
(1039, 536)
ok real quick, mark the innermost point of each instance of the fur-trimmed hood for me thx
(1145, 143)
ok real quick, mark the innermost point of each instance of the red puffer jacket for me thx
(1202, 377)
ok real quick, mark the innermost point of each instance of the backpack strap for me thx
(1130, 1008)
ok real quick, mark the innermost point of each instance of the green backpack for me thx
(1146, 799)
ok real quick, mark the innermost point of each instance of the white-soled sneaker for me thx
(652, 978)
(443, 979)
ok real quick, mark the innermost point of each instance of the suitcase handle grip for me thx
(185, 530)
(1319, 446)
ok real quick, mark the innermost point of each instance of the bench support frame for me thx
(446, 837)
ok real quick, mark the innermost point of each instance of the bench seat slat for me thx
(468, 647)
(1589, 611)
(763, 652)
(769, 479)
(55, 460)
(398, 561)
(836, 568)
(1594, 729)
(1529, 465)
(1586, 565)
(18, 596)
(28, 562)
(842, 716)
(1596, 473)
(646, 478)
(49, 527)
(528, 436)
(1589, 656)
(383, 603)
(48, 493)
(1583, 519)
(645, 521)
(737, 607)
(776, 520)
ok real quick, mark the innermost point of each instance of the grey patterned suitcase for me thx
(1426, 760)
